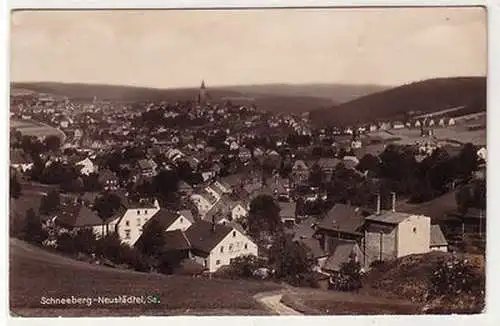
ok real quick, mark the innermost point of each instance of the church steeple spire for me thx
(202, 94)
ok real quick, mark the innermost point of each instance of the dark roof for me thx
(437, 236)
(145, 164)
(305, 229)
(186, 213)
(176, 240)
(78, 215)
(164, 217)
(204, 237)
(341, 253)
(344, 218)
(314, 246)
(287, 209)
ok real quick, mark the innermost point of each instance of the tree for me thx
(316, 176)
(349, 276)
(50, 203)
(52, 143)
(464, 198)
(152, 239)
(245, 266)
(32, 230)
(107, 205)
(369, 163)
(289, 259)
(264, 216)
(467, 161)
(15, 187)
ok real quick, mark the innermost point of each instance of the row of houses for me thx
(347, 232)
(210, 244)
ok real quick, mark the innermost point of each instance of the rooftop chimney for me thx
(393, 201)
(378, 204)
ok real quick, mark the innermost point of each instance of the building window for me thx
(414, 230)
(182, 220)
(127, 234)
(204, 263)
(231, 247)
(217, 262)
(145, 212)
(138, 212)
(138, 222)
(127, 223)
(246, 246)
(234, 234)
(222, 249)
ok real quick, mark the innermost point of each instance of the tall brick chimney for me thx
(393, 201)
(378, 204)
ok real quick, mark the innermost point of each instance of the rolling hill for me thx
(271, 97)
(272, 102)
(417, 98)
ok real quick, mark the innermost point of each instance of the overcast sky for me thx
(178, 48)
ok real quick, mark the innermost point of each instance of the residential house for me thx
(398, 125)
(482, 154)
(86, 166)
(341, 222)
(20, 161)
(340, 252)
(240, 210)
(438, 241)
(214, 245)
(108, 179)
(390, 234)
(300, 170)
(185, 189)
(287, 212)
(203, 202)
(129, 221)
(77, 216)
(244, 154)
(170, 221)
(147, 168)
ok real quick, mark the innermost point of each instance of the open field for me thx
(35, 128)
(455, 135)
(35, 273)
(320, 302)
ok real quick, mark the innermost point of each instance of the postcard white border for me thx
(490, 317)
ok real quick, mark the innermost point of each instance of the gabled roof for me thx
(164, 217)
(186, 213)
(145, 164)
(78, 215)
(437, 236)
(176, 240)
(314, 246)
(341, 253)
(343, 218)
(305, 229)
(204, 236)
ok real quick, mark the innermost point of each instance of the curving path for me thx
(272, 301)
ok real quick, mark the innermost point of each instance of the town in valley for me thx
(205, 200)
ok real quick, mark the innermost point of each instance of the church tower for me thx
(202, 94)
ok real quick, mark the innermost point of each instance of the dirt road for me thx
(272, 301)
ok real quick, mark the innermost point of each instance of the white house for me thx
(87, 167)
(203, 203)
(451, 122)
(239, 210)
(390, 234)
(129, 222)
(214, 245)
(482, 154)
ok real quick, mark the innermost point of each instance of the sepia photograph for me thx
(247, 162)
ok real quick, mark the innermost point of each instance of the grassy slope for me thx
(35, 273)
(424, 96)
(408, 278)
(320, 302)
